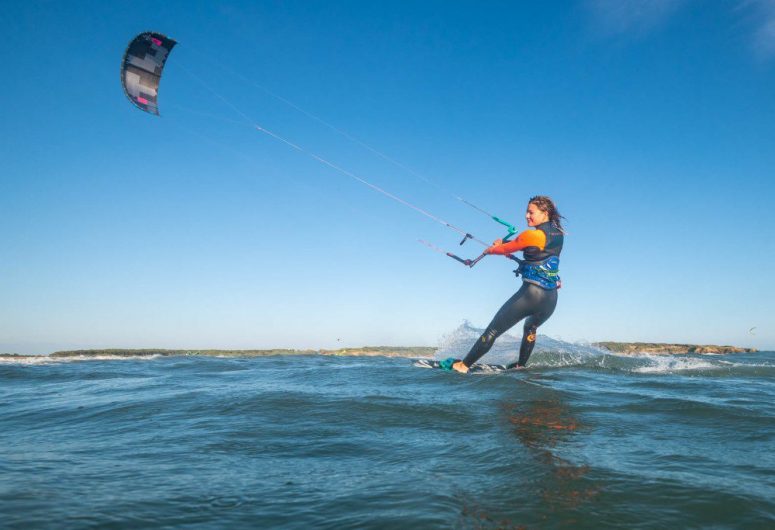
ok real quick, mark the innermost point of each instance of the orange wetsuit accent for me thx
(528, 238)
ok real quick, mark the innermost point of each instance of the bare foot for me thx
(460, 367)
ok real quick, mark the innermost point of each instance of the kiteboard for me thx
(446, 364)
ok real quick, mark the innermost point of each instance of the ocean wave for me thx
(34, 360)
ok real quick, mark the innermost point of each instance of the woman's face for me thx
(535, 216)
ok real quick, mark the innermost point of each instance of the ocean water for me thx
(583, 439)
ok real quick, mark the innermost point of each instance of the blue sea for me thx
(582, 439)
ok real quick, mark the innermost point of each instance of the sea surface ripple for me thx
(582, 439)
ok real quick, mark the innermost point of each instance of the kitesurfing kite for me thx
(141, 69)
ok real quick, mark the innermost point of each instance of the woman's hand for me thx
(495, 243)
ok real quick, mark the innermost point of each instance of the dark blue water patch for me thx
(328, 442)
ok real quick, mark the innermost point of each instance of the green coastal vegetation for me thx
(623, 348)
(384, 351)
(126, 352)
(177, 353)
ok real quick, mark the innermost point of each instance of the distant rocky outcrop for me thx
(656, 348)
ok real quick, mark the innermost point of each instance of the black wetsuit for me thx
(532, 301)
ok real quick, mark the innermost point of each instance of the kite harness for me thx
(542, 266)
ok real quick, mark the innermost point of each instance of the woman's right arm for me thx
(528, 238)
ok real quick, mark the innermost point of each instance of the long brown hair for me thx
(546, 204)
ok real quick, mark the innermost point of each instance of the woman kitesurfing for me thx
(141, 72)
(537, 297)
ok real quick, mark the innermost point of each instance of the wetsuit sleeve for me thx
(528, 238)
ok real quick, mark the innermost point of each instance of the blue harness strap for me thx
(545, 274)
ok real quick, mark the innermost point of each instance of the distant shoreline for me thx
(622, 348)
(657, 348)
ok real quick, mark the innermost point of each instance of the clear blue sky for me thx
(651, 123)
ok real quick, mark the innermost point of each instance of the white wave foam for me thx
(46, 359)
(663, 364)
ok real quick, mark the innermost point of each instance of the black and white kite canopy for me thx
(141, 69)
